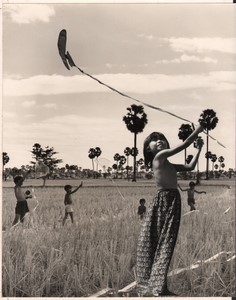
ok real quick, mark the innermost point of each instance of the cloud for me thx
(110, 66)
(194, 95)
(28, 103)
(146, 36)
(188, 58)
(201, 45)
(29, 116)
(126, 83)
(8, 114)
(50, 105)
(29, 13)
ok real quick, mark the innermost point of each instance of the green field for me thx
(99, 249)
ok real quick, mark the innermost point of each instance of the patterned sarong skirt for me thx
(157, 241)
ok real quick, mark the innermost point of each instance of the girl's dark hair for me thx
(148, 155)
(191, 183)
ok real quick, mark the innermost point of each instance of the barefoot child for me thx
(68, 202)
(191, 191)
(160, 229)
(142, 208)
(21, 204)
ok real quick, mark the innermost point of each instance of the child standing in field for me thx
(68, 202)
(21, 208)
(159, 231)
(142, 208)
(191, 191)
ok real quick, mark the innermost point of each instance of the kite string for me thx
(118, 189)
(62, 48)
(146, 104)
(127, 96)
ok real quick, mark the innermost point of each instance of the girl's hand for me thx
(199, 128)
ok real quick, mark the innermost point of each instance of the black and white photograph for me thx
(118, 149)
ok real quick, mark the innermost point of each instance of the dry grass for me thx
(99, 249)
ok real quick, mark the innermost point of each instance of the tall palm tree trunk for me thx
(117, 170)
(207, 159)
(93, 168)
(135, 144)
(185, 156)
(127, 167)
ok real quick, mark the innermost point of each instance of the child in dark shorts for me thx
(142, 208)
(21, 208)
(191, 191)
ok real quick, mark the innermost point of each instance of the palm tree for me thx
(135, 120)
(189, 158)
(98, 152)
(116, 158)
(213, 159)
(134, 153)
(140, 162)
(216, 168)
(92, 155)
(5, 160)
(207, 156)
(184, 132)
(122, 161)
(115, 167)
(221, 160)
(127, 153)
(208, 121)
(198, 141)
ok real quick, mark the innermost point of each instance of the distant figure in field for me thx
(191, 191)
(68, 202)
(160, 228)
(21, 204)
(142, 208)
(198, 176)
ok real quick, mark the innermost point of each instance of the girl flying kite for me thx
(159, 232)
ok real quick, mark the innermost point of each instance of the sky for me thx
(179, 57)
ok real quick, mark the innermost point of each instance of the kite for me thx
(41, 170)
(68, 62)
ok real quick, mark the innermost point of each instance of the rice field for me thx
(44, 259)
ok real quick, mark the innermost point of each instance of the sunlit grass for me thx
(99, 250)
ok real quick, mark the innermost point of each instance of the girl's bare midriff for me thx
(165, 175)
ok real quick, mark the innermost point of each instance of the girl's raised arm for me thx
(172, 151)
(191, 166)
